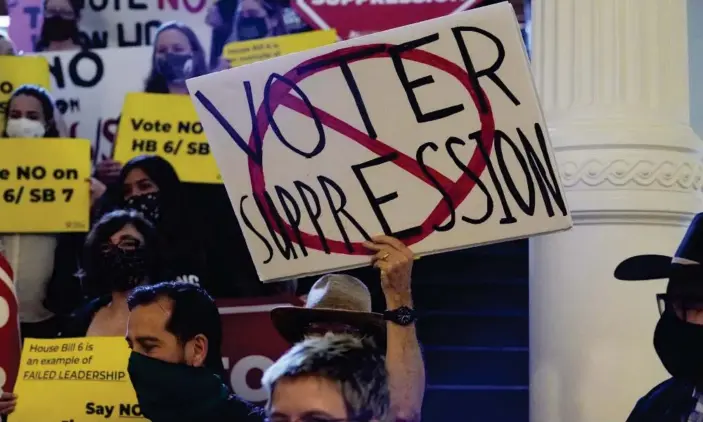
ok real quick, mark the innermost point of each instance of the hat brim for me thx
(644, 267)
(291, 321)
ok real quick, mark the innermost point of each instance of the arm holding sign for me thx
(406, 370)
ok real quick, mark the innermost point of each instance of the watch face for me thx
(404, 315)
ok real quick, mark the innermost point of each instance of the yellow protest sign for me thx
(77, 379)
(168, 126)
(44, 185)
(20, 70)
(244, 52)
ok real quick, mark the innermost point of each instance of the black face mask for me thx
(123, 269)
(57, 28)
(251, 28)
(175, 68)
(148, 205)
(679, 345)
(175, 392)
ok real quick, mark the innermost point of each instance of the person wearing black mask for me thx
(176, 369)
(59, 30)
(149, 185)
(120, 254)
(256, 19)
(678, 337)
(178, 55)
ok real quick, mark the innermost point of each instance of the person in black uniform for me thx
(678, 337)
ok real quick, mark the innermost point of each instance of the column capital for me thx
(613, 79)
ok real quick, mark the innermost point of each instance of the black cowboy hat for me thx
(687, 260)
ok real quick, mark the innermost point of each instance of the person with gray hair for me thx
(341, 304)
(332, 378)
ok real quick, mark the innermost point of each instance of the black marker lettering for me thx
(409, 86)
(286, 248)
(293, 216)
(376, 202)
(545, 187)
(313, 115)
(314, 215)
(528, 207)
(256, 154)
(509, 218)
(250, 226)
(490, 73)
(420, 158)
(326, 184)
(343, 63)
(449, 145)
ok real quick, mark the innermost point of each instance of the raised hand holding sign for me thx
(430, 133)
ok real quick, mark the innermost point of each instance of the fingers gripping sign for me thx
(395, 260)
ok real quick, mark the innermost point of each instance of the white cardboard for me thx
(394, 121)
(91, 101)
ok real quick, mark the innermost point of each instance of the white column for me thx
(613, 79)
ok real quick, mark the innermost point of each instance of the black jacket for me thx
(669, 401)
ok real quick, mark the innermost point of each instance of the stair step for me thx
(471, 297)
(504, 404)
(470, 330)
(477, 366)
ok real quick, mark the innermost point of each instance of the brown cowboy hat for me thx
(334, 298)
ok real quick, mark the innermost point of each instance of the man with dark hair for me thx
(176, 369)
(336, 377)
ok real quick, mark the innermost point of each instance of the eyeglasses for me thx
(688, 303)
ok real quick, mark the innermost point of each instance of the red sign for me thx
(9, 328)
(250, 342)
(354, 18)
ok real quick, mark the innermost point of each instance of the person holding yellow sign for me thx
(37, 258)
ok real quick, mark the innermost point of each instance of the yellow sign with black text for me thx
(168, 126)
(44, 185)
(76, 379)
(16, 71)
(239, 53)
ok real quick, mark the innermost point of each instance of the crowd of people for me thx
(159, 251)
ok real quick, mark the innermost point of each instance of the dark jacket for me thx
(669, 401)
(78, 322)
(64, 292)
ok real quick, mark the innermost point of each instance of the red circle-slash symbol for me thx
(458, 190)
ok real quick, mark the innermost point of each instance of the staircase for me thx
(473, 307)
(473, 329)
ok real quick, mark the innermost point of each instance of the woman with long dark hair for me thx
(59, 31)
(120, 253)
(149, 185)
(178, 55)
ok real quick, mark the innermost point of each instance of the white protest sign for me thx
(431, 133)
(133, 23)
(89, 87)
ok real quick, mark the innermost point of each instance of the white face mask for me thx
(25, 128)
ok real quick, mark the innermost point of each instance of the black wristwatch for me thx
(402, 316)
